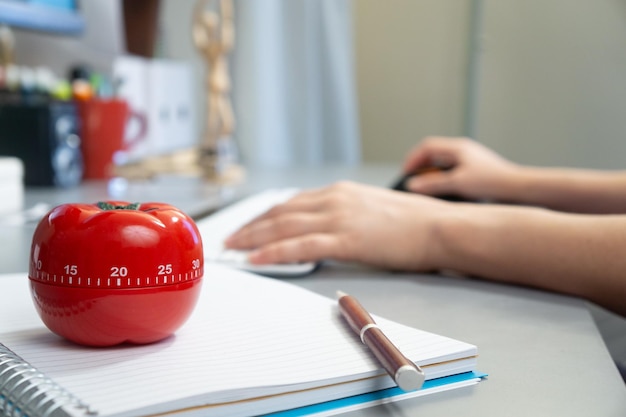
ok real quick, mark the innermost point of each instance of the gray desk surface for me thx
(542, 351)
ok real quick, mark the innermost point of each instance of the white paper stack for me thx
(11, 185)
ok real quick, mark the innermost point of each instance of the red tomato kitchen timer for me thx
(113, 272)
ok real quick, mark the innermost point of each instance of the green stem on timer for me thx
(108, 206)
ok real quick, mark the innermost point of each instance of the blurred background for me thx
(339, 81)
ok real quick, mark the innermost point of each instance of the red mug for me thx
(103, 134)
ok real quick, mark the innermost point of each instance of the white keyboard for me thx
(218, 226)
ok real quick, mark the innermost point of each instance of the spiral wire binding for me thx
(27, 392)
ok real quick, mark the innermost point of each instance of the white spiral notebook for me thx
(254, 345)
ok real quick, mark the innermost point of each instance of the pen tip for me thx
(341, 294)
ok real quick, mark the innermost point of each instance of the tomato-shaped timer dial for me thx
(113, 272)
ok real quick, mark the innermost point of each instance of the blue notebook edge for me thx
(376, 397)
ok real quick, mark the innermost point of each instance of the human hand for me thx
(476, 172)
(349, 222)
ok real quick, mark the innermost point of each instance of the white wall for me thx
(551, 88)
(411, 71)
(554, 81)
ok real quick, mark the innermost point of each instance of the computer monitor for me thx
(61, 17)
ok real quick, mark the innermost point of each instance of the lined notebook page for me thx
(249, 336)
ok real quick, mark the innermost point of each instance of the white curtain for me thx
(293, 83)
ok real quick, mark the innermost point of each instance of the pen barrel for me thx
(404, 372)
(387, 354)
(354, 313)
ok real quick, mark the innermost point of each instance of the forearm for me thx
(572, 190)
(580, 255)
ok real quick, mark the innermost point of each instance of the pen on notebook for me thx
(404, 372)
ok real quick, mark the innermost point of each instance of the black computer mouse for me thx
(400, 183)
